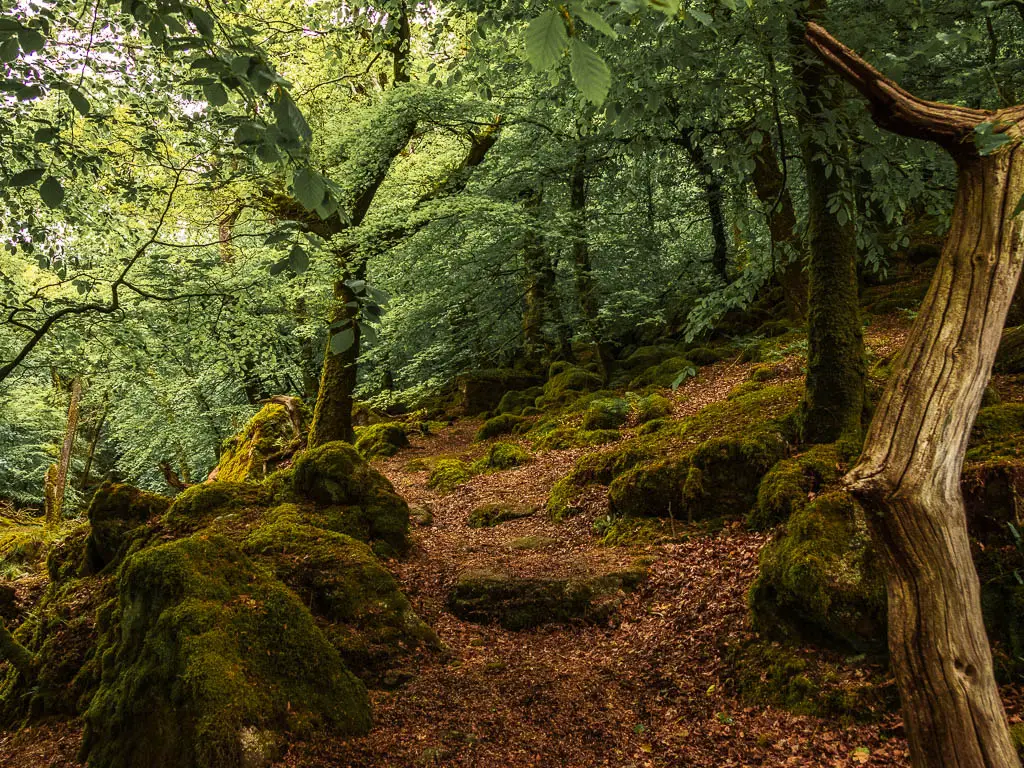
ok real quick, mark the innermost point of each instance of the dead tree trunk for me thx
(908, 477)
(57, 477)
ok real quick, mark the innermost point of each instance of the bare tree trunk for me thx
(908, 477)
(57, 480)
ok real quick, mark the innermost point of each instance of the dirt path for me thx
(648, 689)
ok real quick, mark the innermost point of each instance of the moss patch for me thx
(652, 407)
(501, 456)
(115, 510)
(605, 413)
(266, 442)
(567, 383)
(789, 485)
(504, 424)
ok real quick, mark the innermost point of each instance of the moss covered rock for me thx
(791, 483)
(448, 474)
(501, 456)
(491, 597)
(497, 512)
(605, 413)
(557, 437)
(204, 655)
(503, 424)
(363, 613)
(567, 383)
(358, 500)
(266, 442)
(381, 440)
(664, 374)
(654, 489)
(652, 407)
(820, 581)
(483, 390)
(115, 510)
(518, 401)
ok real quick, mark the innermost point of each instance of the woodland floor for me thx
(652, 689)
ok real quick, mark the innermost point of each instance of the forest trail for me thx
(648, 688)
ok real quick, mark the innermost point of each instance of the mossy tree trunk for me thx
(834, 400)
(787, 245)
(908, 476)
(542, 312)
(332, 415)
(14, 652)
(586, 290)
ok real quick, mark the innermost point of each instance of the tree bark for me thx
(715, 197)
(908, 476)
(586, 291)
(541, 310)
(836, 372)
(57, 481)
(788, 247)
(94, 442)
(14, 652)
(332, 416)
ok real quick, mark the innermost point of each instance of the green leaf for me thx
(1020, 207)
(687, 373)
(27, 177)
(30, 40)
(343, 340)
(298, 260)
(290, 119)
(987, 140)
(595, 20)
(215, 94)
(704, 18)
(203, 21)
(308, 187)
(78, 100)
(9, 49)
(589, 72)
(52, 192)
(669, 7)
(248, 133)
(278, 267)
(44, 135)
(545, 39)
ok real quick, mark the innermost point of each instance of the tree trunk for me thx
(57, 480)
(908, 476)
(788, 248)
(14, 652)
(332, 416)
(834, 399)
(586, 291)
(715, 198)
(97, 432)
(542, 314)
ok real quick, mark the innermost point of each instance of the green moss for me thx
(565, 386)
(805, 682)
(503, 424)
(359, 500)
(771, 405)
(725, 473)
(448, 474)
(652, 407)
(630, 531)
(501, 456)
(1010, 357)
(605, 413)
(533, 542)
(115, 510)
(381, 440)
(197, 506)
(662, 375)
(204, 650)
(820, 581)
(998, 433)
(497, 512)
(789, 485)
(650, 490)
(483, 390)
(562, 438)
(705, 355)
(490, 597)
(363, 614)
(763, 373)
(516, 402)
(267, 440)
